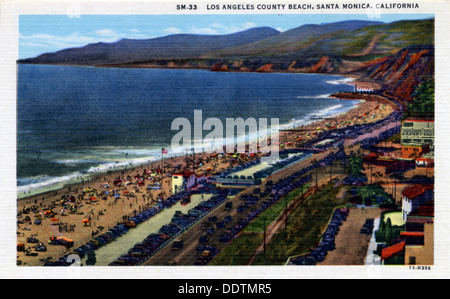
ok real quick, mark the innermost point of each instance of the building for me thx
(389, 164)
(415, 246)
(360, 89)
(185, 181)
(413, 197)
(417, 137)
(419, 236)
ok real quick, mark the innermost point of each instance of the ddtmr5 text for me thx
(243, 288)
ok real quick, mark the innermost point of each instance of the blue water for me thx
(77, 120)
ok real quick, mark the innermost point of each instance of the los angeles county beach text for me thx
(298, 6)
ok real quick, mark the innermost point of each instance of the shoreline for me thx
(78, 178)
(82, 178)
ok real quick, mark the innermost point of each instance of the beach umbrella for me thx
(126, 192)
(54, 219)
(85, 221)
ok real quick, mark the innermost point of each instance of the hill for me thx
(401, 72)
(169, 47)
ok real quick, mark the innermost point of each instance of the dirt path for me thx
(369, 47)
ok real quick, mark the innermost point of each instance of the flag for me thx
(164, 151)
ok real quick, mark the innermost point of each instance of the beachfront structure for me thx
(417, 137)
(185, 181)
(363, 89)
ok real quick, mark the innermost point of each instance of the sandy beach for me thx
(81, 211)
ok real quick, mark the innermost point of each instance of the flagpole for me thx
(162, 158)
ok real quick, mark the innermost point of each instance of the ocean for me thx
(75, 121)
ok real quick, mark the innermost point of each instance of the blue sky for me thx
(49, 33)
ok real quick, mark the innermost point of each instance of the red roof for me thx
(419, 120)
(185, 174)
(392, 250)
(413, 191)
(411, 234)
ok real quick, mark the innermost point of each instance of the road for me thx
(187, 255)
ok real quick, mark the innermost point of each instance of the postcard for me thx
(224, 139)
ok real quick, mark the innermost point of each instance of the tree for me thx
(388, 231)
(356, 164)
(422, 104)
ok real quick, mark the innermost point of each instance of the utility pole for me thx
(264, 244)
(331, 167)
(317, 186)
(285, 212)
(371, 176)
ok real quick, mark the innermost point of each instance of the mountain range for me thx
(374, 51)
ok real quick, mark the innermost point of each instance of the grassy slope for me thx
(305, 226)
(294, 44)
